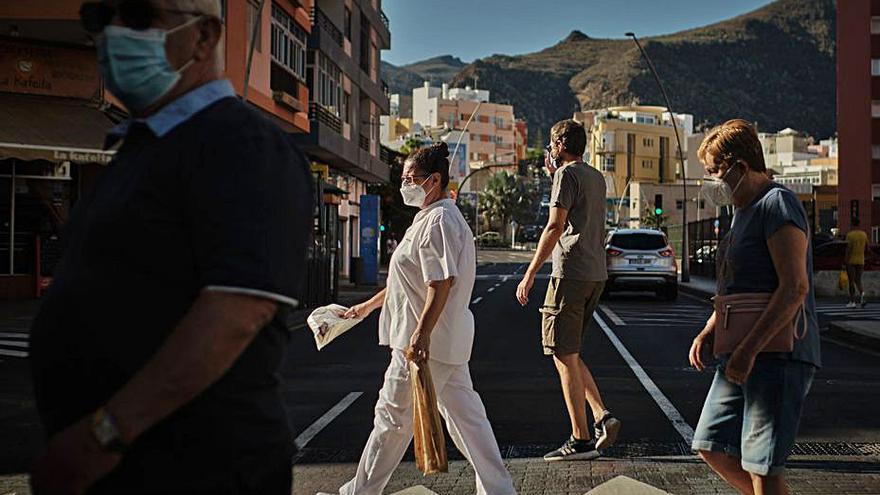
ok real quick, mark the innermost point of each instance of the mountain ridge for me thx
(774, 66)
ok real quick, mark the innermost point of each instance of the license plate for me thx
(640, 262)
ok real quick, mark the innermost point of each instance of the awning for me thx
(54, 129)
(329, 188)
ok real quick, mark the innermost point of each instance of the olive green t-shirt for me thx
(580, 252)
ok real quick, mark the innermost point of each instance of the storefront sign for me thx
(82, 156)
(48, 70)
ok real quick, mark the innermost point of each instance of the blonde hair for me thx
(733, 141)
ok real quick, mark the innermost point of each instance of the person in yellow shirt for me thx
(856, 242)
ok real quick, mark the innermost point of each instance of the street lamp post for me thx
(685, 255)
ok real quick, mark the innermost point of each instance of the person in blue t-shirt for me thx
(751, 415)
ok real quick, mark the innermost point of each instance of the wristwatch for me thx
(106, 432)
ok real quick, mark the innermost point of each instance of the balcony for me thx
(384, 19)
(325, 25)
(364, 143)
(319, 113)
(385, 89)
(387, 155)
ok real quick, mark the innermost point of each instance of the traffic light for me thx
(658, 204)
(381, 228)
(658, 211)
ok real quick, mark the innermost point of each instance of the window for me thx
(875, 235)
(346, 107)
(679, 204)
(875, 152)
(645, 119)
(253, 20)
(875, 66)
(875, 192)
(347, 23)
(365, 44)
(875, 25)
(638, 241)
(484, 119)
(327, 89)
(609, 163)
(288, 43)
(702, 204)
(875, 108)
(484, 138)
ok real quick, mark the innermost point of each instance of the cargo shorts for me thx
(567, 311)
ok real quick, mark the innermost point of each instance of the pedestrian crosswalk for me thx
(14, 345)
(659, 314)
(838, 310)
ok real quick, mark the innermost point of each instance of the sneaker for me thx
(863, 301)
(850, 305)
(574, 450)
(607, 429)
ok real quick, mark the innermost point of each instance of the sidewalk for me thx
(682, 475)
(678, 475)
(861, 332)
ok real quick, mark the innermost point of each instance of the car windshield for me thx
(640, 242)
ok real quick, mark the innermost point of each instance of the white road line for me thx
(505, 278)
(490, 289)
(15, 343)
(15, 335)
(309, 433)
(497, 285)
(611, 314)
(4, 352)
(675, 417)
(477, 300)
(696, 298)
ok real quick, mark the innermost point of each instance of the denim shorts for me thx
(756, 422)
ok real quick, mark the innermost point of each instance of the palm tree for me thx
(508, 197)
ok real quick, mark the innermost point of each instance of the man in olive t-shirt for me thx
(575, 235)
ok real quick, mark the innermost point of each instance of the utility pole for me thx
(685, 248)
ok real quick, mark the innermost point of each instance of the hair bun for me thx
(442, 149)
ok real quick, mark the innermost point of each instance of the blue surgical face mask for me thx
(134, 66)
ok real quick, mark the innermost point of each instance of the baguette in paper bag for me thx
(327, 323)
(430, 444)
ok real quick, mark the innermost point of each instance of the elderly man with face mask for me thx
(156, 350)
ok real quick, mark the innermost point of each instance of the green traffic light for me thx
(381, 228)
(658, 211)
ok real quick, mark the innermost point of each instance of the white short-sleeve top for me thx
(438, 245)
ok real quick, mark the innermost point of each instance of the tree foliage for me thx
(508, 197)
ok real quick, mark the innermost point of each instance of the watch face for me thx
(105, 432)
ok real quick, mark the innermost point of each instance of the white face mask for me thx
(718, 192)
(414, 194)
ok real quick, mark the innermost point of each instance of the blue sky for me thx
(471, 29)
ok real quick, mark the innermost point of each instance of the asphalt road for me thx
(331, 393)
(520, 388)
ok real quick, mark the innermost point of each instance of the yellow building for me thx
(632, 145)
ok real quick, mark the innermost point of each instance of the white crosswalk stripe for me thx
(637, 314)
(14, 344)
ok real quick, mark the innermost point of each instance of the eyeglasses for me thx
(136, 14)
(408, 180)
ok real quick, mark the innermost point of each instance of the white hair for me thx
(206, 7)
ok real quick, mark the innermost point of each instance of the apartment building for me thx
(636, 150)
(858, 114)
(492, 139)
(346, 100)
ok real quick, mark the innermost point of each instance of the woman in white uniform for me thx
(425, 307)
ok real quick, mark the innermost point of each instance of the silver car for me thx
(643, 260)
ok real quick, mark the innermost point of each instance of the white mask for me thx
(718, 192)
(414, 194)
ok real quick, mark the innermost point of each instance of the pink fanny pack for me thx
(736, 316)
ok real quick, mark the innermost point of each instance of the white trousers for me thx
(466, 421)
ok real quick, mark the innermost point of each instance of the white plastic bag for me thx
(327, 323)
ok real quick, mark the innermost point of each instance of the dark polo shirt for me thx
(221, 201)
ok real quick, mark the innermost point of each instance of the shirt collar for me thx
(446, 202)
(176, 112)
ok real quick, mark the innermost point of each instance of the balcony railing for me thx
(386, 155)
(324, 24)
(364, 143)
(318, 113)
(384, 19)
